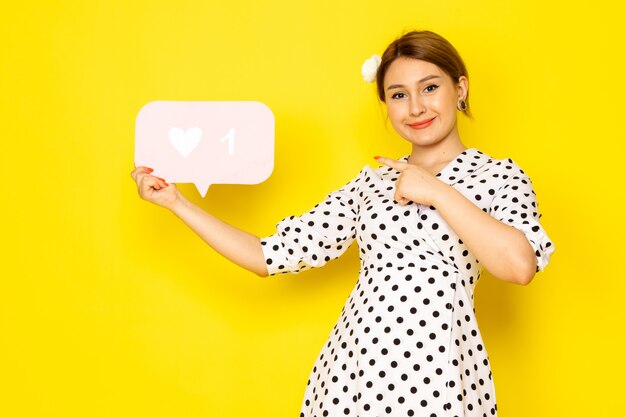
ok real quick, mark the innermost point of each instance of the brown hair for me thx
(427, 46)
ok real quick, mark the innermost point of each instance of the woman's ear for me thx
(462, 87)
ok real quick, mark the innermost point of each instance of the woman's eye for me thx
(398, 95)
(431, 88)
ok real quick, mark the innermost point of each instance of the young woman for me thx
(407, 341)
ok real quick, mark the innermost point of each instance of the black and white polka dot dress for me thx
(407, 342)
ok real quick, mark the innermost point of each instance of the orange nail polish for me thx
(149, 169)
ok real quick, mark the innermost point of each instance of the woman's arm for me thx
(502, 249)
(234, 244)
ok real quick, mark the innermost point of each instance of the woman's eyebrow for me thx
(428, 77)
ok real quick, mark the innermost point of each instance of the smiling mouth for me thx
(422, 124)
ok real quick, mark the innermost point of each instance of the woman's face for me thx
(422, 101)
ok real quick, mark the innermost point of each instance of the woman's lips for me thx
(422, 124)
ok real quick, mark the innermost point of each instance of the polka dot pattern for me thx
(407, 341)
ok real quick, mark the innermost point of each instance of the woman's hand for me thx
(414, 183)
(154, 189)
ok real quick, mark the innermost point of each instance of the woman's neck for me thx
(434, 156)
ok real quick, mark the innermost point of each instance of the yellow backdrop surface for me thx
(110, 306)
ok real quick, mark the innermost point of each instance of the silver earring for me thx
(461, 105)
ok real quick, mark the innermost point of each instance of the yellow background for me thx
(109, 306)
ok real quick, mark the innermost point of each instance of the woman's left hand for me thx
(414, 183)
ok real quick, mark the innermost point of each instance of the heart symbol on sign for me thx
(185, 141)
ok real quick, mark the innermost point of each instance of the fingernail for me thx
(149, 169)
(376, 157)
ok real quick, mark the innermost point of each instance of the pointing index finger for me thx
(393, 163)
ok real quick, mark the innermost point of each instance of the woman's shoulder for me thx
(507, 165)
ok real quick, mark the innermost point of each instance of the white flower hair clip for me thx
(370, 67)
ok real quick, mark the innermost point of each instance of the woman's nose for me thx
(416, 107)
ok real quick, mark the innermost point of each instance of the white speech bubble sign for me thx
(206, 142)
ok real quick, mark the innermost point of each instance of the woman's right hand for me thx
(154, 189)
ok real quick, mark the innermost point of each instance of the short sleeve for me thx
(515, 204)
(312, 239)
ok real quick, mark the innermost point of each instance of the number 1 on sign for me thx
(230, 137)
